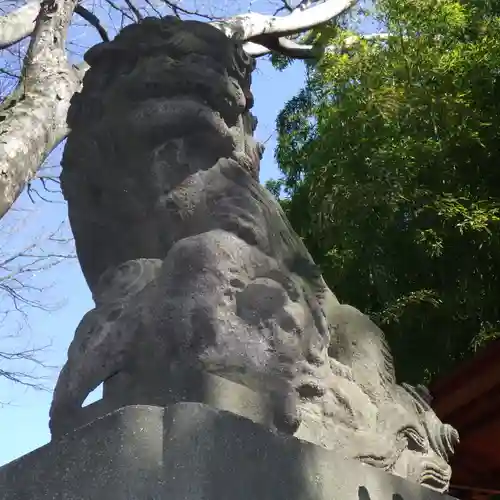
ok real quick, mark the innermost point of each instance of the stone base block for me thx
(190, 451)
(178, 385)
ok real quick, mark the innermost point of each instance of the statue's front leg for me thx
(220, 307)
(105, 337)
(91, 360)
(69, 395)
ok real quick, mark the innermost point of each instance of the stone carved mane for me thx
(193, 265)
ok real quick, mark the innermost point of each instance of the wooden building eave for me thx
(469, 400)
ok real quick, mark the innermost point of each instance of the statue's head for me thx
(161, 103)
(164, 80)
(429, 443)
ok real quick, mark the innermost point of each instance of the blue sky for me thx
(24, 412)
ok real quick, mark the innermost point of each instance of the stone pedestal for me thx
(190, 451)
(178, 385)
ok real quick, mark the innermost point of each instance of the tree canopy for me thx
(390, 159)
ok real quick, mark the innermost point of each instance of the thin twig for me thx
(119, 9)
(93, 20)
(134, 9)
(177, 10)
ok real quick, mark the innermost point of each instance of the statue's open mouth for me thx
(435, 473)
(207, 131)
(183, 80)
(175, 117)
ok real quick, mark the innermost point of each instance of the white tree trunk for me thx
(33, 118)
(19, 24)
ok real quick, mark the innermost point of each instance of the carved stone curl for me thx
(195, 269)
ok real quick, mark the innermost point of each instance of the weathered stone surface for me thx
(195, 270)
(193, 452)
(178, 385)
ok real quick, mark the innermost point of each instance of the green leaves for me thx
(390, 171)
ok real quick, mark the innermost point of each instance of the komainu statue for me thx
(195, 270)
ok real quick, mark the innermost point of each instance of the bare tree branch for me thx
(249, 26)
(23, 377)
(178, 10)
(134, 9)
(18, 24)
(265, 34)
(283, 45)
(123, 12)
(290, 48)
(21, 290)
(154, 9)
(93, 20)
(8, 73)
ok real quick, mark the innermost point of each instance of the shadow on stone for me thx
(189, 451)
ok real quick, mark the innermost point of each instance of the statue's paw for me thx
(60, 413)
(286, 414)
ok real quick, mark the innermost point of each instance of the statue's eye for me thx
(416, 442)
(114, 314)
